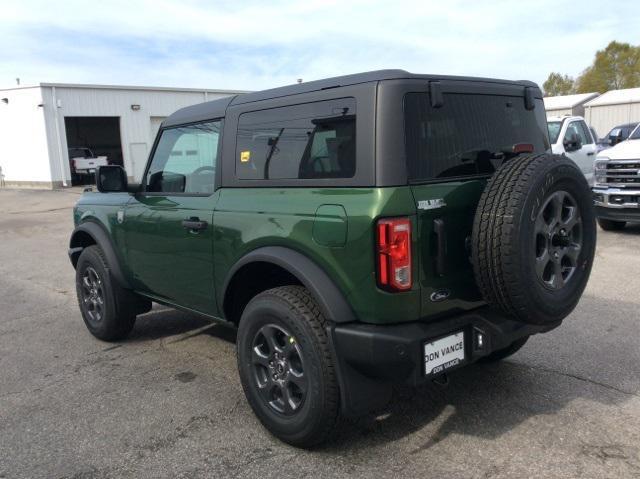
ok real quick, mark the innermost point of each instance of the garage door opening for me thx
(99, 135)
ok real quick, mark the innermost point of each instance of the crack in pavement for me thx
(579, 378)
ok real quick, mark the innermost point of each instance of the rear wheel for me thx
(285, 365)
(611, 225)
(534, 238)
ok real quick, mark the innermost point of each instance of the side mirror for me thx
(111, 179)
(573, 143)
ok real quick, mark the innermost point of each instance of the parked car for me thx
(83, 162)
(616, 135)
(617, 184)
(570, 135)
(359, 231)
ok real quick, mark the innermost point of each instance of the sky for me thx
(252, 45)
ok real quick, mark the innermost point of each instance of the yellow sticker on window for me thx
(245, 156)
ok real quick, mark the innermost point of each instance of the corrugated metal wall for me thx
(575, 111)
(605, 117)
(560, 112)
(136, 127)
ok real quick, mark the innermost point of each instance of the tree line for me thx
(614, 68)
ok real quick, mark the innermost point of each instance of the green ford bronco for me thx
(359, 231)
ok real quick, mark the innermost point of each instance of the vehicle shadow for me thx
(554, 373)
(631, 229)
(482, 400)
(163, 322)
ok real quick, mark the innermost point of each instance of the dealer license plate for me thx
(444, 353)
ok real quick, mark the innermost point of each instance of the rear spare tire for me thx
(534, 237)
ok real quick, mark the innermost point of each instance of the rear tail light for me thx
(523, 148)
(394, 253)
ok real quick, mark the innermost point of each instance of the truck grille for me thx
(623, 173)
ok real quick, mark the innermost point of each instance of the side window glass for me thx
(185, 160)
(574, 129)
(310, 141)
(585, 137)
(585, 133)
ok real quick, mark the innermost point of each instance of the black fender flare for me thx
(330, 299)
(102, 239)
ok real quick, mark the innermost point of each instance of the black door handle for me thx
(441, 246)
(591, 153)
(194, 224)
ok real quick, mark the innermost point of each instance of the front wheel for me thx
(108, 310)
(285, 365)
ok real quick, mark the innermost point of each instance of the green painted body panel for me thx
(167, 260)
(249, 218)
(330, 226)
(103, 209)
(334, 227)
(460, 202)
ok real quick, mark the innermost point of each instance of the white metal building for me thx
(38, 124)
(616, 107)
(567, 104)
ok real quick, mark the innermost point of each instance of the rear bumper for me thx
(371, 358)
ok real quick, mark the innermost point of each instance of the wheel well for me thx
(250, 280)
(81, 239)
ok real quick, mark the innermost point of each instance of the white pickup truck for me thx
(617, 183)
(84, 162)
(571, 136)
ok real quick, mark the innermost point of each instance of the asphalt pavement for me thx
(167, 401)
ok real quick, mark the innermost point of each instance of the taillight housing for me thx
(393, 254)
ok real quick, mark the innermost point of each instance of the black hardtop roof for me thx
(217, 108)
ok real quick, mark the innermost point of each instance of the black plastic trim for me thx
(330, 299)
(102, 239)
(371, 358)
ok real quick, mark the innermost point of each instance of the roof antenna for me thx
(18, 81)
(299, 80)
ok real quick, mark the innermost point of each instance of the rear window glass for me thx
(469, 134)
(310, 141)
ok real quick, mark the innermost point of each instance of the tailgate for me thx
(445, 214)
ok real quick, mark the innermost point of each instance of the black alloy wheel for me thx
(278, 369)
(558, 240)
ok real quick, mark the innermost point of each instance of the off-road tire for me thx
(293, 309)
(504, 238)
(611, 225)
(120, 306)
(504, 353)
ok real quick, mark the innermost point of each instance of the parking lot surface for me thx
(167, 401)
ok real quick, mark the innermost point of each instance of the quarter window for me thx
(310, 141)
(185, 160)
